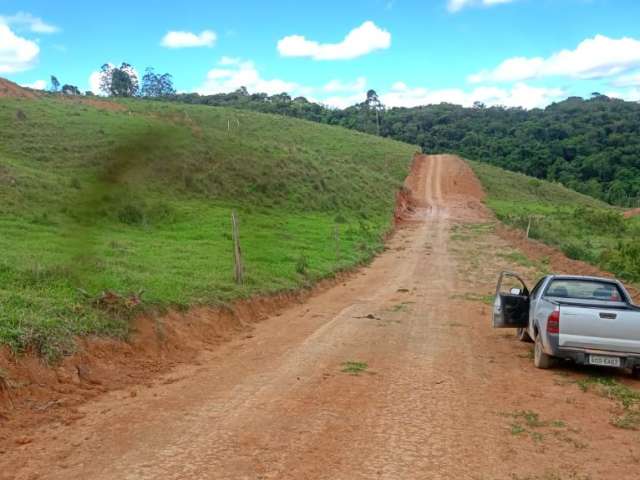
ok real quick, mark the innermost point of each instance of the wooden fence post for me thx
(237, 253)
(529, 225)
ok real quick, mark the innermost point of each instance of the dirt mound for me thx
(13, 90)
(632, 213)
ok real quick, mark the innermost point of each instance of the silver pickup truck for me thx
(588, 320)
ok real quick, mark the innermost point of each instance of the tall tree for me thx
(156, 85)
(118, 81)
(70, 89)
(373, 104)
(55, 83)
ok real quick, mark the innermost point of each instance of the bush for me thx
(577, 252)
(131, 215)
(624, 260)
(601, 220)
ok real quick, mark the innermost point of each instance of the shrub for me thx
(302, 264)
(624, 260)
(131, 214)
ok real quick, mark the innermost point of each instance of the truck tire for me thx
(541, 359)
(523, 335)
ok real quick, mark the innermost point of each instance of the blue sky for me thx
(512, 52)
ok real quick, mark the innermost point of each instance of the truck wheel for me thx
(541, 359)
(635, 372)
(523, 335)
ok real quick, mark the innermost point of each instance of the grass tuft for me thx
(354, 368)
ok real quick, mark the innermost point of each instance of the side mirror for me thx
(515, 291)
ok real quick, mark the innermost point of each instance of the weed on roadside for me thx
(627, 399)
(516, 257)
(473, 297)
(527, 422)
(528, 354)
(354, 368)
(401, 307)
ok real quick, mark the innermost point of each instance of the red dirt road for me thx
(439, 399)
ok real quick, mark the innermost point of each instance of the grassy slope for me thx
(140, 199)
(584, 228)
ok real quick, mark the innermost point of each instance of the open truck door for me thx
(511, 307)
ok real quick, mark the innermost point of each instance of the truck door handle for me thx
(608, 316)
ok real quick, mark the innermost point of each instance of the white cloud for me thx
(457, 5)
(28, 21)
(339, 86)
(238, 73)
(631, 80)
(173, 39)
(94, 83)
(520, 95)
(16, 53)
(37, 85)
(631, 94)
(360, 41)
(344, 101)
(595, 57)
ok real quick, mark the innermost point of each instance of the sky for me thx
(526, 53)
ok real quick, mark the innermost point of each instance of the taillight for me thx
(553, 322)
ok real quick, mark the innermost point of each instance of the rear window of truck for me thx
(584, 290)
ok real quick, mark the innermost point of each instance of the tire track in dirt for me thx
(430, 405)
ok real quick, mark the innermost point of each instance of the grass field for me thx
(582, 227)
(95, 200)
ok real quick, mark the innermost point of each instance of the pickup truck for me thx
(589, 320)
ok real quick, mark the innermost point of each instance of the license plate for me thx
(604, 361)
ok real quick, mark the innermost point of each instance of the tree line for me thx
(123, 81)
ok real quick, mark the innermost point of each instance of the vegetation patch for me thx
(354, 368)
(582, 227)
(401, 307)
(474, 297)
(529, 423)
(628, 399)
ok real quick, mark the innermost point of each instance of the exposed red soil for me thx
(95, 102)
(632, 213)
(33, 393)
(10, 89)
(438, 399)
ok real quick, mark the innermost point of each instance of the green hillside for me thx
(139, 198)
(591, 146)
(582, 227)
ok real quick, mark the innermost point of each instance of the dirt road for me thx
(441, 396)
